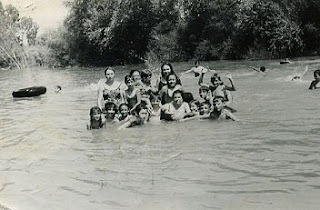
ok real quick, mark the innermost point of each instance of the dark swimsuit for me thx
(112, 95)
(96, 124)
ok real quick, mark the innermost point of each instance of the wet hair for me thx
(205, 103)
(109, 105)
(316, 72)
(142, 106)
(177, 91)
(95, 110)
(123, 104)
(174, 76)
(127, 78)
(214, 77)
(95, 124)
(196, 102)
(218, 98)
(145, 73)
(262, 68)
(168, 64)
(196, 62)
(134, 70)
(108, 68)
(204, 88)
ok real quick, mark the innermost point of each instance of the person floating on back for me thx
(197, 69)
(262, 69)
(315, 82)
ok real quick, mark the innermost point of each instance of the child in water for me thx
(110, 112)
(96, 119)
(195, 107)
(124, 114)
(219, 111)
(140, 117)
(57, 89)
(315, 82)
(205, 93)
(131, 95)
(175, 110)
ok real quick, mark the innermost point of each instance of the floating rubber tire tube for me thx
(29, 92)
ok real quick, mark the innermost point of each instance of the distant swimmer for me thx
(315, 82)
(262, 69)
(198, 70)
(57, 89)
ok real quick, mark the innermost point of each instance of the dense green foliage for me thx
(17, 34)
(108, 32)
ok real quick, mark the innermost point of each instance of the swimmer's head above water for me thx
(57, 89)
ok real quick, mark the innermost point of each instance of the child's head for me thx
(204, 108)
(194, 106)
(177, 97)
(172, 80)
(128, 80)
(166, 69)
(135, 75)
(316, 74)
(142, 112)
(111, 110)
(146, 75)
(124, 109)
(95, 113)
(204, 92)
(262, 69)
(216, 80)
(57, 89)
(218, 102)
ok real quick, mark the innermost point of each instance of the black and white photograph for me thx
(159, 104)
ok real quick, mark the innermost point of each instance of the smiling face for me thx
(204, 109)
(172, 80)
(129, 82)
(144, 114)
(204, 93)
(194, 107)
(136, 76)
(166, 70)
(124, 110)
(216, 81)
(177, 98)
(96, 116)
(218, 103)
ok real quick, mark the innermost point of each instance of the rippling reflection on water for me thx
(270, 160)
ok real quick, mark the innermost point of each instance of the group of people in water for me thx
(136, 100)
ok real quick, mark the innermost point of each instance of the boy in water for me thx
(219, 110)
(314, 83)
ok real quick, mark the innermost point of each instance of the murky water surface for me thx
(270, 160)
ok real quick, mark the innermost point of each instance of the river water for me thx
(269, 160)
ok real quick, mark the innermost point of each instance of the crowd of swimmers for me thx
(138, 99)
